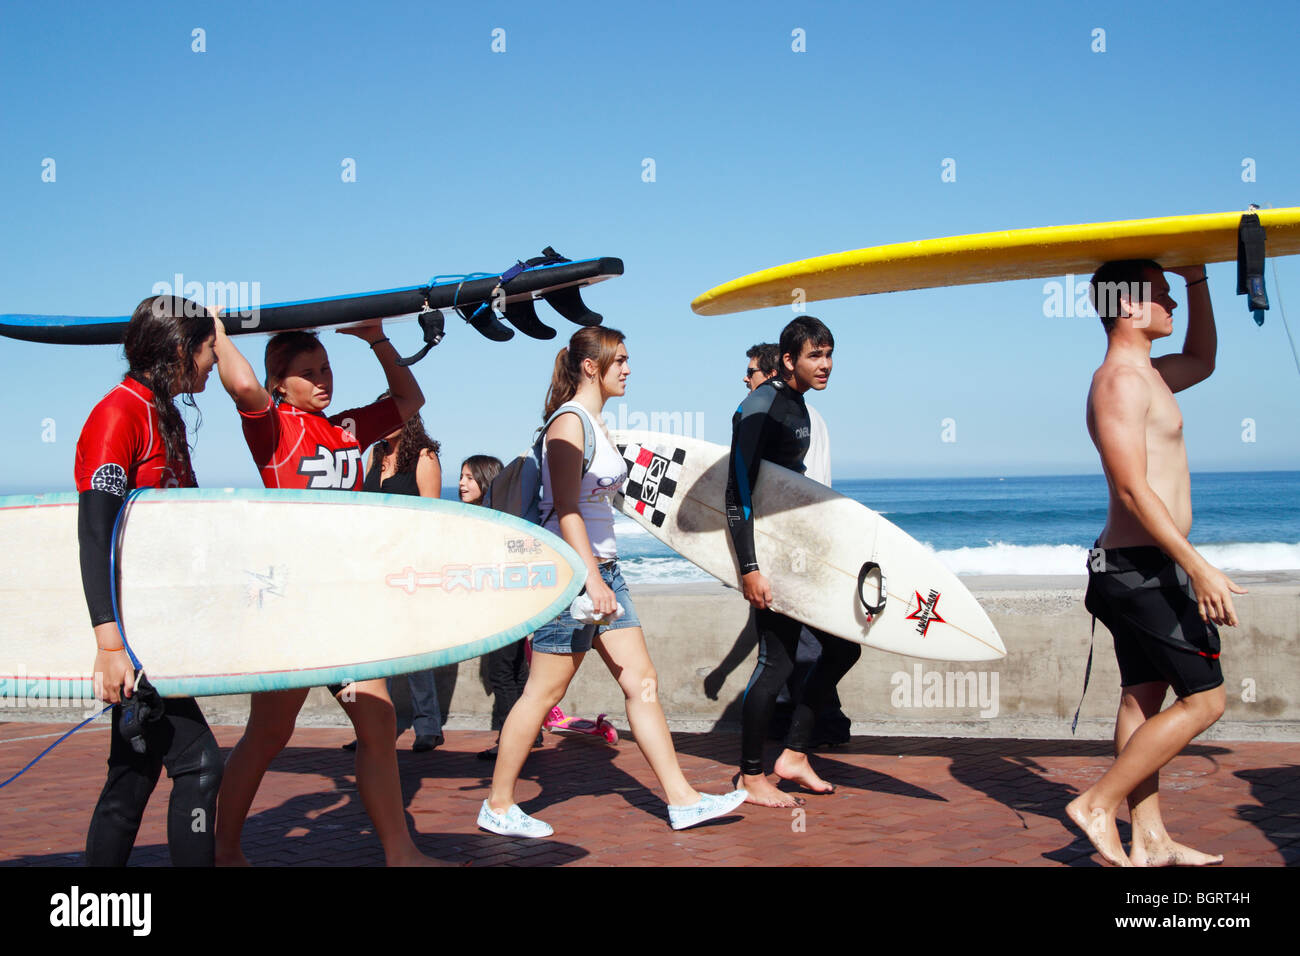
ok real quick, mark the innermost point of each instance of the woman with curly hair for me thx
(405, 462)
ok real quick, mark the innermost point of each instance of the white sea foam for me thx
(1262, 556)
(625, 527)
(1002, 558)
(661, 571)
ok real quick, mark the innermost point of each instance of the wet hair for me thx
(803, 329)
(161, 340)
(768, 355)
(1126, 277)
(280, 353)
(410, 443)
(483, 469)
(593, 342)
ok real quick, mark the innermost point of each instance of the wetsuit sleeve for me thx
(749, 428)
(262, 433)
(96, 517)
(371, 422)
(110, 444)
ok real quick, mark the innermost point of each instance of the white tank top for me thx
(606, 476)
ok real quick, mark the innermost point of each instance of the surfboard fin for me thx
(569, 304)
(523, 316)
(431, 324)
(1250, 265)
(485, 322)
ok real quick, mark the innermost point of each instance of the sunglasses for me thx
(750, 373)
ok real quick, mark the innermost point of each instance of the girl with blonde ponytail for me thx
(577, 506)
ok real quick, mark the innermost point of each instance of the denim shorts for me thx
(564, 635)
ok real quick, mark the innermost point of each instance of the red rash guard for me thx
(120, 449)
(297, 449)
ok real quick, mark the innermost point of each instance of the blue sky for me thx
(225, 166)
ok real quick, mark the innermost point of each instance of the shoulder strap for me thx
(588, 432)
(588, 441)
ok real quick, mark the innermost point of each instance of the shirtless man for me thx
(1160, 599)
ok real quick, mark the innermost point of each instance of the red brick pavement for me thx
(902, 801)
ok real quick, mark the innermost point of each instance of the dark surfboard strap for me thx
(1250, 265)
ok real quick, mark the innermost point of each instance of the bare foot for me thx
(1168, 853)
(1099, 827)
(792, 765)
(412, 857)
(762, 792)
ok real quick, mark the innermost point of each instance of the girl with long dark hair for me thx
(135, 438)
(576, 505)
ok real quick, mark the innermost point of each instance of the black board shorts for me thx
(1147, 603)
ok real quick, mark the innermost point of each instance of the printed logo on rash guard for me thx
(110, 478)
(332, 469)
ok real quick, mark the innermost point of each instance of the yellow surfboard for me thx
(1000, 256)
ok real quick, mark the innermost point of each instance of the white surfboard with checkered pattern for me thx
(813, 544)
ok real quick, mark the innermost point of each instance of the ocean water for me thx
(1245, 521)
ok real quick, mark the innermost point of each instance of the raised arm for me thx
(237, 376)
(401, 383)
(1119, 404)
(1195, 362)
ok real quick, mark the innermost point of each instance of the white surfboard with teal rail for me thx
(233, 591)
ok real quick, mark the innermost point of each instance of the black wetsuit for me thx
(772, 424)
(120, 449)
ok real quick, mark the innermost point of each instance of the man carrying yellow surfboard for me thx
(1160, 599)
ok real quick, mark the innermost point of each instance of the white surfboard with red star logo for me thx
(833, 563)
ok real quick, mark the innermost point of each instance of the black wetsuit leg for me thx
(182, 742)
(778, 639)
(507, 672)
(836, 658)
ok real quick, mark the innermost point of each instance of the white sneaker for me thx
(514, 822)
(706, 808)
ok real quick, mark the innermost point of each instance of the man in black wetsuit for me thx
(831, 725)
(772, 424)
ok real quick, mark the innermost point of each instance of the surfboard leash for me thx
(1281, 310)
(32, 763)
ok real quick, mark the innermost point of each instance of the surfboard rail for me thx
(226, 591)
(999, 256)
(557, 284)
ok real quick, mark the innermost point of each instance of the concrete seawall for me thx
(704, 653)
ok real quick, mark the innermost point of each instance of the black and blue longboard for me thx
(475, 298)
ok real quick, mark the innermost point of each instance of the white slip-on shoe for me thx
(514, 822)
